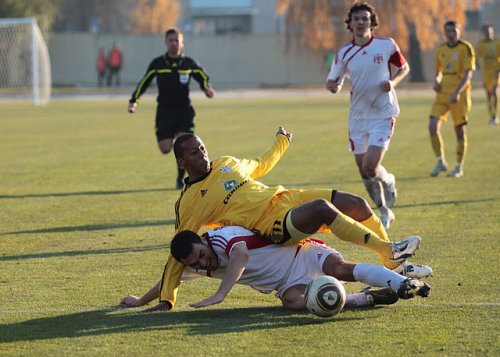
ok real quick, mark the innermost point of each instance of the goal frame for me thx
(36, 47)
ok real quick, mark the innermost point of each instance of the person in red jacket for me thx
(101, 67)
(115, 62)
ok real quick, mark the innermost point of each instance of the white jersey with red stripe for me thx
(367, 67)
(270, 266)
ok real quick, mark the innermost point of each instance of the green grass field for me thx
(86, 216)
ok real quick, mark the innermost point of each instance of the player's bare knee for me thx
(324, 209)
(353, 206)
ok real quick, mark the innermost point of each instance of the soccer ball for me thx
(325, 296)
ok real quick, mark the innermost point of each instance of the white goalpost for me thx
(24, 61)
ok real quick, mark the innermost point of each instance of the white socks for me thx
(376, 275)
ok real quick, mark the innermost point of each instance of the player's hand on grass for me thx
(162, 306)
(132, 107)
(130, 301)
(212, 300)
(282, 131)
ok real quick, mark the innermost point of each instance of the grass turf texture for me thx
(86, 215)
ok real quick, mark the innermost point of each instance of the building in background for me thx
(226, 17)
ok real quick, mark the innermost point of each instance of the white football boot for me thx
(390, 191)
(456, 172)
(441, 166)
(406, 248)
(387, 218)
(412, 270)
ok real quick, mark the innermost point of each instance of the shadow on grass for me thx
(94, 227)
(86, 193)
(200, 322)
(83, 252)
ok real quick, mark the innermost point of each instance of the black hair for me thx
(451, 23)
(181, 140)
(182, 244)
(362, 6)
(173, 30)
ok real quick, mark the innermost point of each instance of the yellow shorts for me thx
(490, 80)
(271, 224)
(459, 110)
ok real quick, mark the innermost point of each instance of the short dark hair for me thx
(181, 140)
(451, 23)
(182, 244)
(362, 6)
(173, 30)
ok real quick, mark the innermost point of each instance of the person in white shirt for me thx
(238, 256)
(369, 62)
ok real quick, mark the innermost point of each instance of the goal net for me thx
(24, 61)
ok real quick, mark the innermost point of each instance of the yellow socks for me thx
(373, 223)
(349, 230)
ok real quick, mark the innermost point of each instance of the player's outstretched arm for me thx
(134, 301)
(235, 268)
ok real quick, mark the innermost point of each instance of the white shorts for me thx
(307, 265)
(370, 132)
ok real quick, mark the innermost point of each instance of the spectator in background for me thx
(115, 62)
(101, 67)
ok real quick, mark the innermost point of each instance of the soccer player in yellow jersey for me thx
(225, 192)
(488, 60)
(455, 63)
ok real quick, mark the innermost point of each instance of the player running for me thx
(174, 113)
(367, 61)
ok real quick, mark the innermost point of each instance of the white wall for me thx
(239, 61)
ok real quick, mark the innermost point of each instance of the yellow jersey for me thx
(453, 62)
(488, 52)
(227, 195)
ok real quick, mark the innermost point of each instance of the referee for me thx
(174, 113)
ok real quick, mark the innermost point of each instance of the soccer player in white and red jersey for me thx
(238, 256)
(369, 61)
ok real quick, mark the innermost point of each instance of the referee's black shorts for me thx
(170, 122)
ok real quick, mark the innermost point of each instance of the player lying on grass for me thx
(237, 256)
(225, 192)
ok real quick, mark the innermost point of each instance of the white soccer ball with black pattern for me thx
(325, 296)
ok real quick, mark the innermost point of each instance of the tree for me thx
(153, 16)
(415, 26)
(44, 10)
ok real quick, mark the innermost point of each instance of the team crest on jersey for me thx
(184, 78)
(378, 58)
(203, 193)
(229, 185)
(225, 169)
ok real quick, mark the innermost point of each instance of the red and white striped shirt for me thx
(367, 67)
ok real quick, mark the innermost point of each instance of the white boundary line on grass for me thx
(111, 309)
